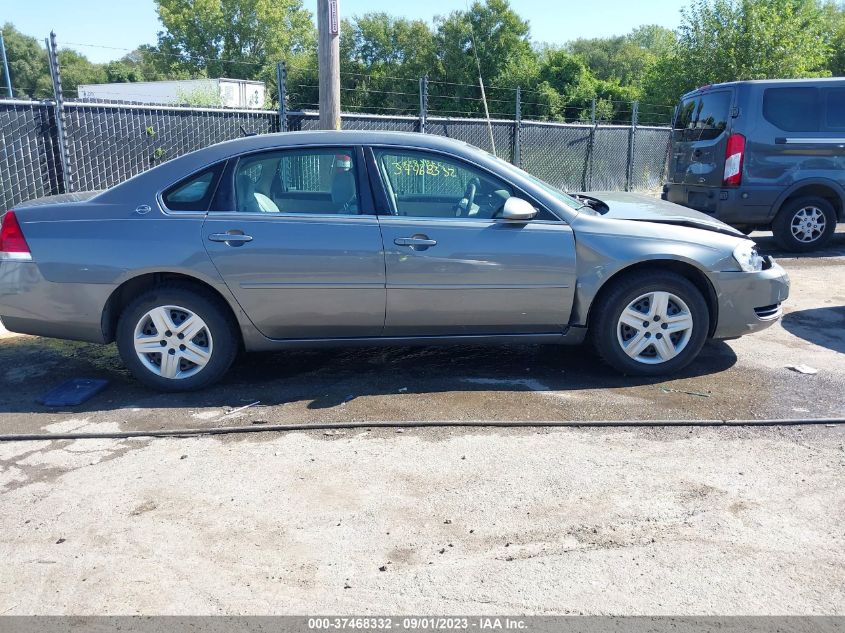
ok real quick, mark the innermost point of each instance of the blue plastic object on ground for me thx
(73, 392)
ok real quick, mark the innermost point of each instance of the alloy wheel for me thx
(655, 327)
(173, 342)
(808, 224)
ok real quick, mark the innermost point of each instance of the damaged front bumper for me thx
(749, 302)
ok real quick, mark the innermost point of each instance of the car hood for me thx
(642, 208)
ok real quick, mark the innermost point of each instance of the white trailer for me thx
(230, 93)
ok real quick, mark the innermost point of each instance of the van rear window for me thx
(703, 117)
(792, 109)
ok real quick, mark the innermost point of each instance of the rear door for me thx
(699, 138)
(296, 240)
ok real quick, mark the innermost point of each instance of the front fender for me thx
(605, 248)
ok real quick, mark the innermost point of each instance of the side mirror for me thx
(518, 210)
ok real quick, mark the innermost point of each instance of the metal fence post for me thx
(588, 177)
(517, 129)
(423, 103)
(6, 67)
(281, 81)
(629, 180)
(66, 181)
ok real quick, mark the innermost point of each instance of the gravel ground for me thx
(598, 521)
(682, 521)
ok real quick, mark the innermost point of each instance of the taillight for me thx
(734, 156)
(12, 242)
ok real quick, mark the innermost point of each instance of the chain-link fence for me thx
(110, 142)
(29, 156)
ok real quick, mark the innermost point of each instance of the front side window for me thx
(792, 109)
(298, 181)
(703, 117)
(430, 185)
(195, 192)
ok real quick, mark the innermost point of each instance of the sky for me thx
(106, 29)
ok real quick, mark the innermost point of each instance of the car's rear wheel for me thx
(177, 338)
(804, 224)
(650, 323)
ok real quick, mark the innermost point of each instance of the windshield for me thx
(570, 201)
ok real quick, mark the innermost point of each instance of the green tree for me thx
(77, 69)
(382, 58)
(119, 71)
(30, 71)
(27, 64)
(656, 39)
(729, 40)
(241, 39)
(500, 38)
(835, 19)
(613, 58)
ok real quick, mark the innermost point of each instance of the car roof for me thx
(339, 137)
(199, 159)
(182, 166)
(765, 82)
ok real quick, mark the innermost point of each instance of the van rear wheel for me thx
(804, 224)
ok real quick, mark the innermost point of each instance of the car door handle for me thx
(414, 241)
(234, 238)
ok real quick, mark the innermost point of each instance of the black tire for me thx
(617, 297)
(782, 225)
(213, 312)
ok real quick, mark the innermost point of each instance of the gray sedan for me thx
(347, 238)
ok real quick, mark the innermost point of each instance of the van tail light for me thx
(734, 157)
(12, 242)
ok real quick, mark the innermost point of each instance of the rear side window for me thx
(195, 192)
(703, 117)
(298, 181)
(835, 108)
(792, 109)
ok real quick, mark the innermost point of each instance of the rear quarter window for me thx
(792, 109)
(703, 117)
(195, 192)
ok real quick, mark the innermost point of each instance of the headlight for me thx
(748, 258)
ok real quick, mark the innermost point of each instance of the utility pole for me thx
(328, 51)
(6, 67)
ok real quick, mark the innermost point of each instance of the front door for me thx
(297, 247)
(454, 267)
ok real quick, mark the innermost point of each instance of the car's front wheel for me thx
(177, 338)
(650, 323)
